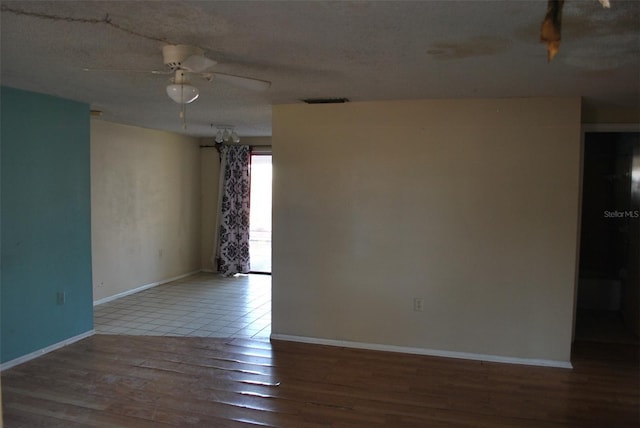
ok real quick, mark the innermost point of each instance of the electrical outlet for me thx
(61, 297)
(418, 304)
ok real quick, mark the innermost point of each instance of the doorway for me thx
(608, 298)
(260, 214)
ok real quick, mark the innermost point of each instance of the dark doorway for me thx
(609, 277)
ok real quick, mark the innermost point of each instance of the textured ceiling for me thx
(362, 50)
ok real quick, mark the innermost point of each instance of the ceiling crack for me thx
(106, 20)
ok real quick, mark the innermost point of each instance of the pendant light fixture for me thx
(225, 134)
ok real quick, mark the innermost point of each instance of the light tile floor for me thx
(203, 305)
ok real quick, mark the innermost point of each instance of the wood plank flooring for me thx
(141, 381)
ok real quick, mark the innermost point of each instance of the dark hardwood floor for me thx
(137, 381)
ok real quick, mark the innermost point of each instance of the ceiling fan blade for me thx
(125, 70)
(243, 82)
(197, 63)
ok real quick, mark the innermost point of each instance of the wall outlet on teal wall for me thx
(61, 297)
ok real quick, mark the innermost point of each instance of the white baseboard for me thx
(40, 352)
(424, 351)
(142, 288)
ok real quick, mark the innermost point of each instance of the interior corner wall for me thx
(46, 229)
(145, 207)
(470, 205)
(210, 166)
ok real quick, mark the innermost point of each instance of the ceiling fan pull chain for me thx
(183, 115)
(183, 105)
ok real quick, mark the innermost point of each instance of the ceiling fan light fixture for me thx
(182, 93)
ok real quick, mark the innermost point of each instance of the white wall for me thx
(145, 207)
(471, 205)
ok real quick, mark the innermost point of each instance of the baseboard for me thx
(142, 288)
(40, 352)
(423, 351)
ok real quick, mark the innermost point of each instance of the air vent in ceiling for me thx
(326, 100)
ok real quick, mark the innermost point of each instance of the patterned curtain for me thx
(232, 254)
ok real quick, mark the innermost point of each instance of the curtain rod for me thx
(259, 146)
(258, 149)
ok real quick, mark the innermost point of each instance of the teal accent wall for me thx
(45, 222)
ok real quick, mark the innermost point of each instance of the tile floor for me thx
(203, 305)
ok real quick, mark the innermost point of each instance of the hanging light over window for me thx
(225, 134)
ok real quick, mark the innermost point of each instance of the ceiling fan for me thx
(184, 60)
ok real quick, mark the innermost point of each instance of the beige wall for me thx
(145, 207)
(471, 205)
(210, 167)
